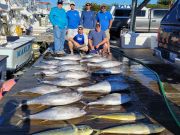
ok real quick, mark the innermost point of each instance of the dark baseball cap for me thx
(60, 2)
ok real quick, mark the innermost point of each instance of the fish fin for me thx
(74, 127)
(43, 121)
(93, 117)
(97, 132)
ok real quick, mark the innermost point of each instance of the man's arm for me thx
(110, 23)
(90, 44)
(82, 17)
(102, 42)
(51, 17)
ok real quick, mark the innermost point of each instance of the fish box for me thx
(3, 61)
(19, 52)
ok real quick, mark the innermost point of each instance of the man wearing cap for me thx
(105, 19)
(73, 21)
(97, 40)
(79, 41)
(88, 19)
(59, 21)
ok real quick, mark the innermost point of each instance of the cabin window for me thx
(141, 13)
(122, 13)
(159, 13)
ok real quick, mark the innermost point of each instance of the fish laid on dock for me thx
(105, 64)
(112, 99)
(60, 62)
(58, 113)
(133, 129)
(105, 87)
(65, 82)
(44, 66)
(71, 68)
(50, 62)
(70, 130)
(71, 74)
(96, 59)
(46, 72)
(116, 78)
(69, 57)
(55, 98)
(109, 71)
(130, 116)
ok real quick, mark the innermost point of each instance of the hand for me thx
(92, 47)
(97, 46)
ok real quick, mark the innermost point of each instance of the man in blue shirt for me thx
(73, 21)
(59, 21)
(105, 19)
(79, 41)
(88, 19)
(97, 40)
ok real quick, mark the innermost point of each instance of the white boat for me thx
(3, 61)
(19, 52)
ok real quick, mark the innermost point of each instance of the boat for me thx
(3, 61)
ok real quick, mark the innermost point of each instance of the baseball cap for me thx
(60, 2)
(72, 3)
(80, 26)
(88, 3)
(98, 24)
(103, 5)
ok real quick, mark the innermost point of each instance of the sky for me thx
(80, 3)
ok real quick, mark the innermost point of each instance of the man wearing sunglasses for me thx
(79, 41)
(105, 19)
(88, 19)
(59, 21)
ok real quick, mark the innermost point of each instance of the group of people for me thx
(88, 32)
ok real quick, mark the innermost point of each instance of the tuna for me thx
(71, 68)
(133, 129)
(45, 66)
(119, 78)
(43, 89)
(69, 57)
(51, 62)
(96, 59)
(59, 113)
(64, 82)
(105, 64)
(55, 98)
(114, 70)
(105, 87)
(69, 130)
(71, 74)
(112, 99)
(46, 72)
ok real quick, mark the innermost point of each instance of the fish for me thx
(55, 99)
(118, 77)
(139, 128)
(58, 113)
(64, 82)
(51, 62)
(105, 87)
(105, 64)
(113, 70)
(68, 62)
(43, 89)
(45, 66)
(130, 116)
(68, 130)
(71, 68)
(90, 56)
(112, 99)
(96, 59)
(71, 74)
(46, 72)
(68, 57)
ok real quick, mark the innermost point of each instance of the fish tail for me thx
(93, 117)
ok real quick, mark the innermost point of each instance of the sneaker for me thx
(61, 52)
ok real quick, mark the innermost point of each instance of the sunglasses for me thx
(88, 5)
(103, 7)
(80, 29)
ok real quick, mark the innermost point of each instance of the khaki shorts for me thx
(107, 34)
(71, 33)
(81, 47)
(86, 31)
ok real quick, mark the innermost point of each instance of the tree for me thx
(96, 7)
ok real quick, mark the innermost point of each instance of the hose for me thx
(160, 86)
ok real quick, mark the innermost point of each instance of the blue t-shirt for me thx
(73, 19)
(104, 18)
(88, 19)
(96, 37)
(79, 38)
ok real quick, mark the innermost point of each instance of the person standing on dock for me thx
(73, 21)
(58, 19)
(88, 19)
(105, 19)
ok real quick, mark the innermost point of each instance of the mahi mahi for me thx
(112, 99)
(105, 64)
(64, 82)
(130, 116)
(69, 130)
(59, 113)
(43, 89)
(133, 129)
(105, 87)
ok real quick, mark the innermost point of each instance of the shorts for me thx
(100, 47)
(107, 34)
(86, 31)
(71, 33)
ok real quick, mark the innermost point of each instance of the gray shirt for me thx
(96, 37)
